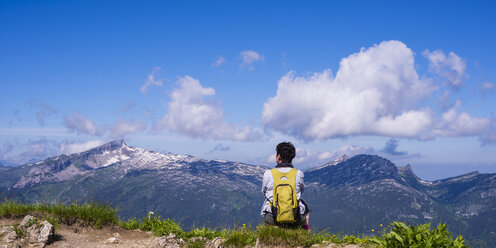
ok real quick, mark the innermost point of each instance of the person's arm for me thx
(265, 182)
(300, 184)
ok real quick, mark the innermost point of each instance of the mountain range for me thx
(348, 195)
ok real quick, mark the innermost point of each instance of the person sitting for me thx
(280, 187)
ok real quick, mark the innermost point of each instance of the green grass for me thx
(240, 237)
(155, 224)
(92, 214)
(99, 215)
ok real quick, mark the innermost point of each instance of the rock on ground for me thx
(215, 243)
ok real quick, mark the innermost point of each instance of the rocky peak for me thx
(410, 178)
(360, 169)
(406, 171)
(108, 147)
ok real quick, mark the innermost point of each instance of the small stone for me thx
(215, 243)
(116, 235)
(37, 245)
(25, 221)
(113, 240)
(172, 241)
(40, 234)
(46, 233)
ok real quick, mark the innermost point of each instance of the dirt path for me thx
(86, 237)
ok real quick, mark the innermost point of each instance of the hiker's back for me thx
(284, 203)
(282, 188)
(296, 181)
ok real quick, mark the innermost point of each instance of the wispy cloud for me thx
(44, 110)
(40, 116)
(249, 57)
(35, 131)
(82, 125)
(5, 149)
(122, 128)
(192, 112)
(219, 148)
(487, 87)
(129, 105)
(152, 79)
(39, 149)
(31, 151)
(68, 147)
(220, 61)
(451, 67)
(456, 123)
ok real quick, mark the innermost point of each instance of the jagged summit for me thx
(406, 171)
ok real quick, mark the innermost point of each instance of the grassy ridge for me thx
(99, 215)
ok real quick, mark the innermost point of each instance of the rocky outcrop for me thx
(31, 232)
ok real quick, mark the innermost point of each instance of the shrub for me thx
(155, 224)
(402, 235)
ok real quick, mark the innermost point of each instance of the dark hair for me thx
(287, 151)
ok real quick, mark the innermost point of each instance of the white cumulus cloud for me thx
(123, 128)
(451, 67)
(193, 112)
(152, 79)
(375, 92)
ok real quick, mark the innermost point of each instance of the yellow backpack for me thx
(284, 201)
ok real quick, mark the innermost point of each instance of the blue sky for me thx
(412, 81)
